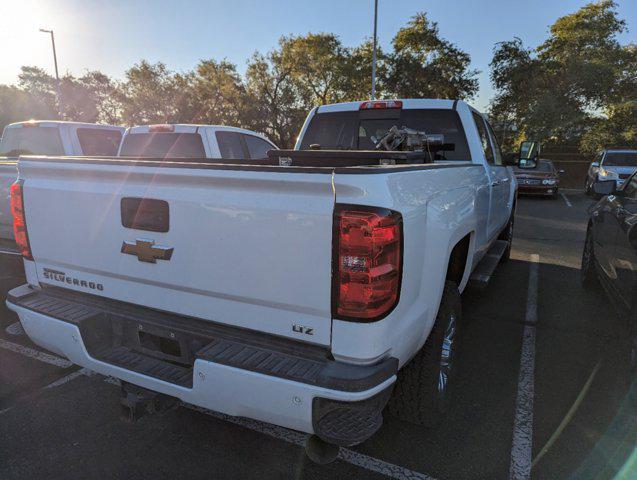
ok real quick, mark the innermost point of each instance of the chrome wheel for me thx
(446, 355)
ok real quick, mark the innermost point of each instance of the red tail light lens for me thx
(19, 221)
(367, 262)
(161, 128)
(381, 104)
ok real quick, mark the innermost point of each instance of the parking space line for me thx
(35, 354)
(568, 202)
(280, 433)
(522, 447)
(70, 377)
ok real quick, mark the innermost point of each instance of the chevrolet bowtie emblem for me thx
(147, 251)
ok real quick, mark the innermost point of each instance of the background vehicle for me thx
(611, 164)
(194, 141)
(48, 138)
(543, 179)
(610, 250)
(290, 290)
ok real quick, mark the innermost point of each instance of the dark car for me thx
(543, 179)
(610, 251)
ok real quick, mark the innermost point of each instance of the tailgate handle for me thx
(145, 214)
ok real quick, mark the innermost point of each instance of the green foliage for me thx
(273, 97)
(576, 88)
(424, 65)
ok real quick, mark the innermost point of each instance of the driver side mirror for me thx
(605, 187)
(529, 151)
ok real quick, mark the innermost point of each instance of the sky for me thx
(113, 35)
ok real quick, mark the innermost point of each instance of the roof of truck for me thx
(407, 103)
(55, 123)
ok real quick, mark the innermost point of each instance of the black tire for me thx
(425, 385)
(588, 189)
(588, 273)
(507, 234)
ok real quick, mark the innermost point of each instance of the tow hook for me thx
(137, 402)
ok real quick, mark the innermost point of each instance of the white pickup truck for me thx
(48, 138)
(304, 290)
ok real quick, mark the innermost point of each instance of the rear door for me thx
(246, 248)
(625, 248)
(499, 178)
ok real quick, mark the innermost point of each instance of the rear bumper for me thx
(231, 370)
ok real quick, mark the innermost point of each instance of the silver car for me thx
(611, 164)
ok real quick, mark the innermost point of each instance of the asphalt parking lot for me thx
(570, 416)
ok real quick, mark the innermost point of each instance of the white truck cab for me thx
(194, 141)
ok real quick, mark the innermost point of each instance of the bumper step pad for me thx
(109, 330)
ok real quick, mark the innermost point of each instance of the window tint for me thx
(257, 147)
(332, 131)
(33, 140)
(621, 159)
(230, 145)
(484, 138)
(497, 159)
(99, 141)
(360, 130)
(163, 145)
(630, 188)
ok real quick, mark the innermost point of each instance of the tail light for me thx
(161, 128)
(380, 104)
(367, 267)
(19, 220)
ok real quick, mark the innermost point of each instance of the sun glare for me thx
(20, 21)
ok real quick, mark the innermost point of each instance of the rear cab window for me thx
(163, 145)
(360, 130)
(31, 140)
(99, 141)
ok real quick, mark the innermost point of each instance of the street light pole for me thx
(374, 52)
(57, 75)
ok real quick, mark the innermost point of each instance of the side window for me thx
(630, 189)
(257, 147)
(497, 154)
(230, 145)
(484, 137)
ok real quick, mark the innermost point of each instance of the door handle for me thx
(505, 180)
(495, 182)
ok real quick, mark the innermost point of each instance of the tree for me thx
(42, 88)
(217, 92)
(424, 65)
(357, 72)
(315, 63)
(273, 105)
(148, 94)
(577, 88)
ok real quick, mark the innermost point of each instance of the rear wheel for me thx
(588, 272)
(424, 386)
(588, 188)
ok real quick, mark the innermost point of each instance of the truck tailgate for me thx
(242, 247)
